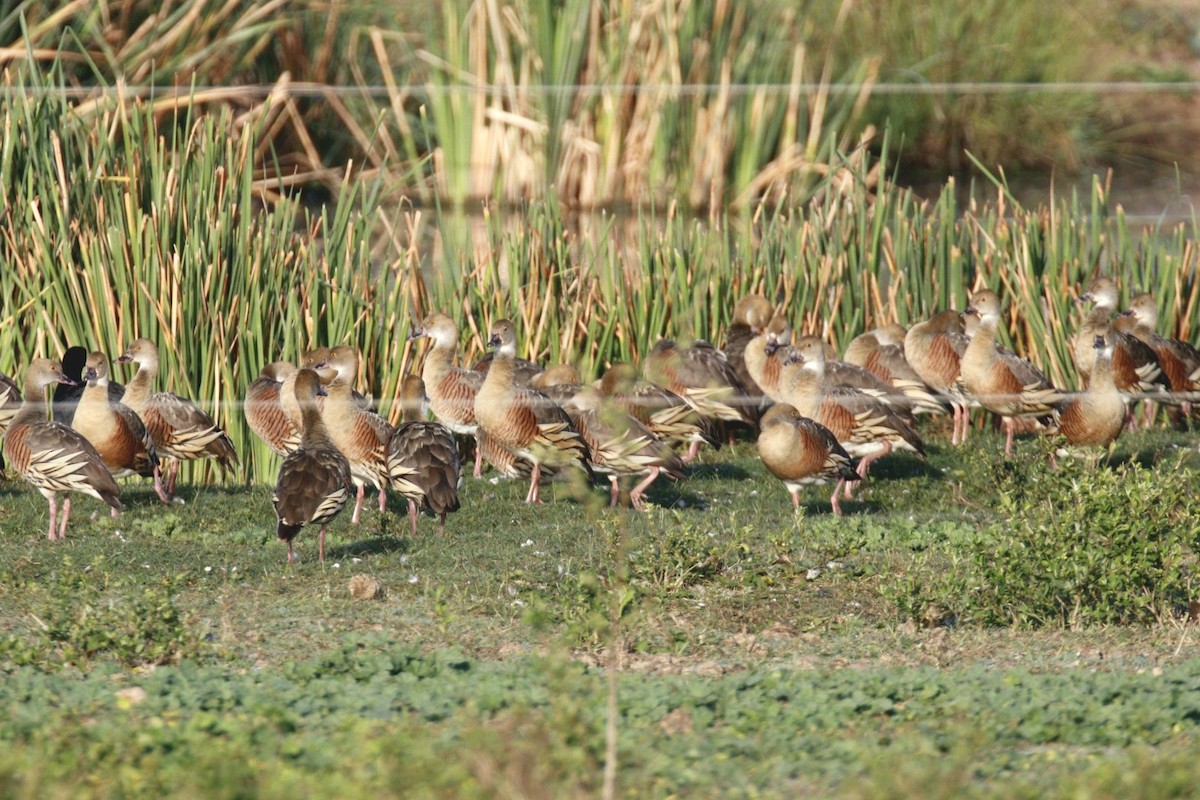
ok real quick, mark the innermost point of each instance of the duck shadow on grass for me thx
(903, 465)
(374, 546)
(724, 472)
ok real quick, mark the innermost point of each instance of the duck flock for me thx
(816, 418)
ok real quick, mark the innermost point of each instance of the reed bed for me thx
(710, 104)
(600, 101)
(112, 230)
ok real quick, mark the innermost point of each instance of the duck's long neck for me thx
(138, 390)
(95, 393)
(339, 404)
(982, 349)
(315, 435)
(801, 387)
(755, 357)
(499, 379)
(438, 361)
(412, 408)
(1102, 379)
(33, 408)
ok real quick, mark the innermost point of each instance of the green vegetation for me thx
(1076, 547)
(110, 233)
(974, 627)
(600, 102)
(759, 653)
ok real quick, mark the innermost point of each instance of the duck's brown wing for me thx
(312, 488)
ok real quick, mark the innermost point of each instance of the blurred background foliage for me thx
(613, 101)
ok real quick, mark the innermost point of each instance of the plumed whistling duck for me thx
(53, 457)
(800, 451)
(1003, 383)
(523, 420)
(424, 453)
(180, 429)
(314, 482)
(114, 429)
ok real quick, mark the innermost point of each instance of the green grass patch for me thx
(758, 652)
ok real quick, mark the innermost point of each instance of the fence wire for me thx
(320, 90)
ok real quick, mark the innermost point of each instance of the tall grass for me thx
(852, 259)
(592, 99)
(601, 101)
(111, 230)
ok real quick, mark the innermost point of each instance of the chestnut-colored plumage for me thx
(264, 409)
(10, 404)
(1003, 383)
(314, 481)
(1179, 360)
(361, 435)
(867, 427)
(451, 389)
(669, 416)
(620, 445)
(66, 395)
(1095, 416)
(423, 453)
(881, 352)
(700, 374)
(750, 317)
(180, 429)
(523, 420)
(800, 452)
(51, 456)
(935, 348)
(764, 354)
(114, 429)
(1135, 365)
(905, 401)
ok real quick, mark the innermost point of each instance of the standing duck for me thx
(1136, 369)
(522, 420)
(66, 395)
(423, 453)
(114, 429)
(180, 429)
(864, 425)
(620, 445)
(1180, 361)
(800, 451)
(314, 481)
(669, 416)
(264, 410)
(1003, 383)
(764, 355)
(361, 435)
(750, 318)
(934, 348)
(700, 374)
(53, 457)
(1095, 416)
(451, 389)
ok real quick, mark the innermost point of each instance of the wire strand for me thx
(319, 90)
